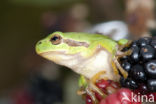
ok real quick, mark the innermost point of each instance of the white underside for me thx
(87, 67)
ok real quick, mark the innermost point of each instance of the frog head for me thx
(61, 47)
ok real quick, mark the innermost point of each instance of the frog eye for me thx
(56, 39)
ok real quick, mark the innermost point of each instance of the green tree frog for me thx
(93, 56)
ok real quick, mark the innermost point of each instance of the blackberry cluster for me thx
(140, 65)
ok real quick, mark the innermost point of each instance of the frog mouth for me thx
(51, 53)
(57, 56)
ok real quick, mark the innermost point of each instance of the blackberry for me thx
(126, 65)
(151, 68)
(138, 73)
(151, 84)
(135, 54)
(140, 65)
(144, 41)
(147, 52)
(130, 83)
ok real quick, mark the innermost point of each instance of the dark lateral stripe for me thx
(75, 43)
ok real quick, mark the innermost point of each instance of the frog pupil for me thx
(54, 38)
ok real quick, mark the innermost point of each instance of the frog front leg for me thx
(88, 87)
(124, 43)
(120, 54)
(117, 64)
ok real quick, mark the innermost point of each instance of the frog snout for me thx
(40, 42)
(38, 46)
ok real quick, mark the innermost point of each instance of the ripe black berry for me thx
(130, 83)
(147, 52)
(126, 65)
(151, 84)
(144, 41)
(151, 68)
(135, 54)
(138, 73)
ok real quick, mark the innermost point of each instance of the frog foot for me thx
(90, 92)
(91, 88)
(94, 80)
(125, 45)
(121, 54)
